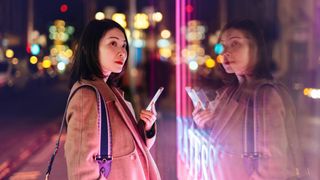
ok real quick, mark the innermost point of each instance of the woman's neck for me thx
(245, 79)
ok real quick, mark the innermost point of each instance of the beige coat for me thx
(130, 151)
(276, 136)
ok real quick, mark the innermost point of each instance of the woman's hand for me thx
(148, 117)
(201, 117)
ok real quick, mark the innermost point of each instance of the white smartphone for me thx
(155, 98)
(197, 97)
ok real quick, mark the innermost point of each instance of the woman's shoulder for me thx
(273, 90)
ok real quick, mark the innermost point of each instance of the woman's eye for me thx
(234, 44)
(113, 43)
(124, 45)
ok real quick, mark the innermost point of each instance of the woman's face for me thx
(112, 52)
(240, 52)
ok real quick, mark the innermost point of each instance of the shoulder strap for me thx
(251, 126)
(105, 130)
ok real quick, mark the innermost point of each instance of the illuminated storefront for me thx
(290, 42)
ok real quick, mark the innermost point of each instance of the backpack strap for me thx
(105, 157)
(251, 153)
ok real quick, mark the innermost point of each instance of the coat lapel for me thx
(129, 120)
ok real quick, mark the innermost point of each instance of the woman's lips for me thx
(226, 62)
(119, 62)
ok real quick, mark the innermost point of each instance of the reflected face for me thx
(240, 52)
(112, 52)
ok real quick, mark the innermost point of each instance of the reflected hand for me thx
(201, 117)
(148, 117)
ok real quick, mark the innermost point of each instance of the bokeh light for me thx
(33, 60)
(193, 65)
(35, 49)
(210, 63)
(99, 16)
(165, 34)
(220, 59)
(218, 48)
(9, 53)
(157, 16)
(63, 8)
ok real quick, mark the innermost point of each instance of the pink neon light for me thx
(183, 46)
(178, 59)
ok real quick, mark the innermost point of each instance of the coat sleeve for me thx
(272, 142)
(82, 142)
(149, 136)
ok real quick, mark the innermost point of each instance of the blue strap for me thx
(105, 132)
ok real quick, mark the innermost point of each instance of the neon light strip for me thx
(178, 59)
(183, 46)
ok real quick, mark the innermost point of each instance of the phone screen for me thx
(155, 98)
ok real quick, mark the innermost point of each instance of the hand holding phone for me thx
(197, 97)
(155, 98)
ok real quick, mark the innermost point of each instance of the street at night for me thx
(240, 80)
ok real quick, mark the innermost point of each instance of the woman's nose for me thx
(122, 53)
(226, 53)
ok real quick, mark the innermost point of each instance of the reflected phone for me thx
(155, 98)
(197, 97)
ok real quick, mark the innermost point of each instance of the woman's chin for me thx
(117, 71)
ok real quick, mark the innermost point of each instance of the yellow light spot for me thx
(141, 21)
(191, 54)
(33, 60)
(9, 53)
(220, 59)
(53, 51)
(210, 63)
(15, 61)
(157, 17)
(165, 34)
(137, 34)
(46, 62)
(306, 91)
(59, 23)
(165, 52)
(120, 18)
(68, 53)
(99, 16)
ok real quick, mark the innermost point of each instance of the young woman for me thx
(100, 60)
(252, 120)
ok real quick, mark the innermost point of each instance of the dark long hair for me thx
(262, 69)
(86, 61)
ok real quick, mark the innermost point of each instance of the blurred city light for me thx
(210, 62)
(189, 8)
(46, 62)
(165, 52)
(138, 43)
(120, 18)
(165, 34)
(9, 53)
(312, 93)
(33, 60)
(141, 21)
(99, 16)
(218, 48)
(157, 16)
(162, 43)
(193, 65)
(15, 61)
(63, 8)
(220, 58)
(61, 66)
(35, 49)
